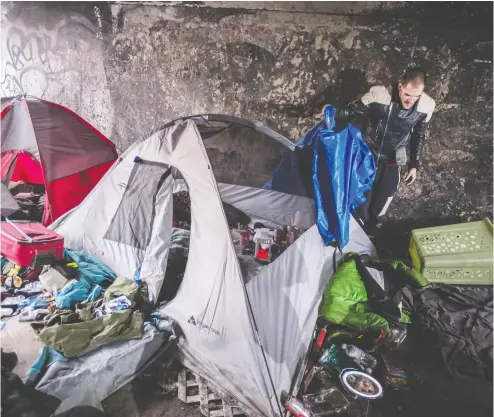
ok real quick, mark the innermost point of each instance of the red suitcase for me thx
(30, 243)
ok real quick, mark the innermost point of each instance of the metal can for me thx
(297, 408)
(244, 238)
(278, 235)
(290, 236)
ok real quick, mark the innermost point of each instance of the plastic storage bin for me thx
(454, 254)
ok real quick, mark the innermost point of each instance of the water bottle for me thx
(363, 359)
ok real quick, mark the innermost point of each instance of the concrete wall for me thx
(129, 67)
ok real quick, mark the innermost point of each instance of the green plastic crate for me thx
(454, 254)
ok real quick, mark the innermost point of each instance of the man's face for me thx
(410, 93)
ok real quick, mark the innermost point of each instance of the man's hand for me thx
(411, 176)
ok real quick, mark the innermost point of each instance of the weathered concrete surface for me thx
(18, 337)
(129, 67)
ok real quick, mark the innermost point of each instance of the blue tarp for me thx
(343, 169)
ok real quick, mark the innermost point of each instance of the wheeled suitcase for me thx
(30, 243)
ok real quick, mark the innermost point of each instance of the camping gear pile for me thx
(79, 304)
(25, 247)
(359, 323)
(241, 273)
(369, 309)
(250, 239)
(229, 307)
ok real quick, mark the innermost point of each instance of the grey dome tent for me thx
(247, 334)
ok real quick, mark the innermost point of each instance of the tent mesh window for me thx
(133, 221)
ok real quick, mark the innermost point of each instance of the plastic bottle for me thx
(363, 359)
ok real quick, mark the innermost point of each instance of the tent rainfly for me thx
(46, 143)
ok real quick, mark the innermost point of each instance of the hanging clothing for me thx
(343, 169)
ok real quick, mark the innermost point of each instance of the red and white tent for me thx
(46, 143)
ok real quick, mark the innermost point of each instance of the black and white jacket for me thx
(393, 127)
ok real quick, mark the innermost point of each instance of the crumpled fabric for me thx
(91, 270)
(93, 277)
(346, 303)
(343, 169)
(19, 400)
(127, 287)
(73, 292)
(47, 357)
(75, 333)
(455, 325)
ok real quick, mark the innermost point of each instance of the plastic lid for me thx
(361, 384)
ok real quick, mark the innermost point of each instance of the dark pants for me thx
(380, 196)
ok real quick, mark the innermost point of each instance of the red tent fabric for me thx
(46, 143)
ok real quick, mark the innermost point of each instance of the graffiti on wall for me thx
(27, 65)
(61, 60)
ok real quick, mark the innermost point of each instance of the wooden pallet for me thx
(193, 389)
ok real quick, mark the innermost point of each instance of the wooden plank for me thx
(205, 396)
(194, 399)
(227, 410)
(182, 385)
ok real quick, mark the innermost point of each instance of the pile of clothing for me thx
(81, 304)
(113, 317)
(30, 199)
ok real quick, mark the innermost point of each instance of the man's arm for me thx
(426, 105)
(377, 94)
(352, 110)
(417, 141)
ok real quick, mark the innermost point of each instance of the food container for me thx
(263, 243)
(327, 402)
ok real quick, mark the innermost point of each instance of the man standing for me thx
(398, 115)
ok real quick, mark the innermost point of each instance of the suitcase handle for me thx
(19, 230)
(30, 240)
